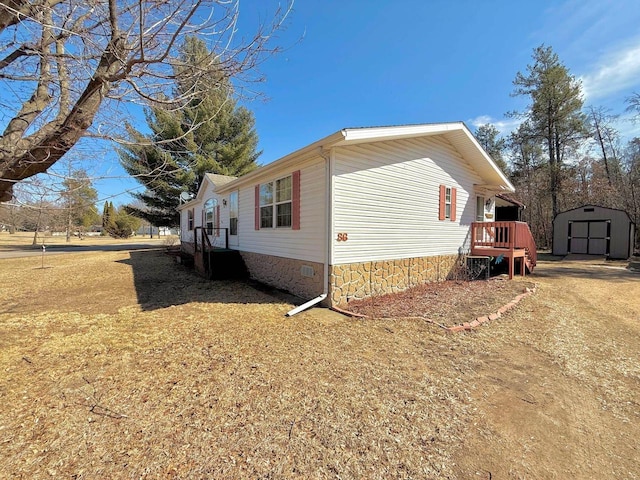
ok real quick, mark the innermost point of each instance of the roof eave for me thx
(353, 136)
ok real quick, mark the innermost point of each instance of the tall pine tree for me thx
(211, 134)
(554, 116)
(108, 217)
(489, 138)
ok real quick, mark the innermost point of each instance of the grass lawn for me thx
(125, 365)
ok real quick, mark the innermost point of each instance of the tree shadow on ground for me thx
(160, 282)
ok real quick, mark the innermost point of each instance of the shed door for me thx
(589, 238)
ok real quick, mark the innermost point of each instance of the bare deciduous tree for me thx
(63, 62)
(606, 138)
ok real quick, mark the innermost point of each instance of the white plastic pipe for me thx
(306, 305)
(318, 299)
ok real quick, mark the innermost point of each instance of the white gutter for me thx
(328, 236)
(304, 306)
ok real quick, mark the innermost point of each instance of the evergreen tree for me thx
(529, 174)
(210, 134)
(105, 215)
(489, 138)
(554, 116)
(79, 197)
(108, 218)
(119, 223)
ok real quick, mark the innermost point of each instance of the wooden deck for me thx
(511, 240)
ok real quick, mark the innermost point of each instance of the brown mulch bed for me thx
(446, 303)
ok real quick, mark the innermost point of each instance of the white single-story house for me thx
(594, 230)
(362, 212)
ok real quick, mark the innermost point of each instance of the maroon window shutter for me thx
(443, 192)
(453, 204)
(217, 220)
(295, 201)
(257, 208)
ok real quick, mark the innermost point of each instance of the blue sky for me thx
(352, 63)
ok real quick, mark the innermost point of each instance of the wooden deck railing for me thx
(524, 239)
(203, 236)
(506, 235)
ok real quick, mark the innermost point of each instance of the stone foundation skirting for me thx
(302, 278)
(360, 280)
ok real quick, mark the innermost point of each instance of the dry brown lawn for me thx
(25, 239)
(125, 365)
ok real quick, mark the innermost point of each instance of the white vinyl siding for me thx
(186, 233)
(309, 242)
(386, 199)
(198, 214)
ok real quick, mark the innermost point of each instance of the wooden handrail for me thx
(524, 239)
(508, 235)
(216, 232)
(493, 234)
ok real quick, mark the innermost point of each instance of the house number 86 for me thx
(342, 237)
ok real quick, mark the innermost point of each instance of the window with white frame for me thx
(276, 203)
(447, 203)
(190, 219)
(209, 215)
(233, 213)
(283, 202)
(266, 205)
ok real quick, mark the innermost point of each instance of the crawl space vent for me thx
(307, 271)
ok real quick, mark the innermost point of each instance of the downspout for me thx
(327, 214)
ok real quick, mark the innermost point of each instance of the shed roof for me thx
(581, 208)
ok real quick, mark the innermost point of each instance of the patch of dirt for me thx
(125, 365)
(446, 303)
(555, 387)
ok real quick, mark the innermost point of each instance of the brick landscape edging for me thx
(493, 316)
